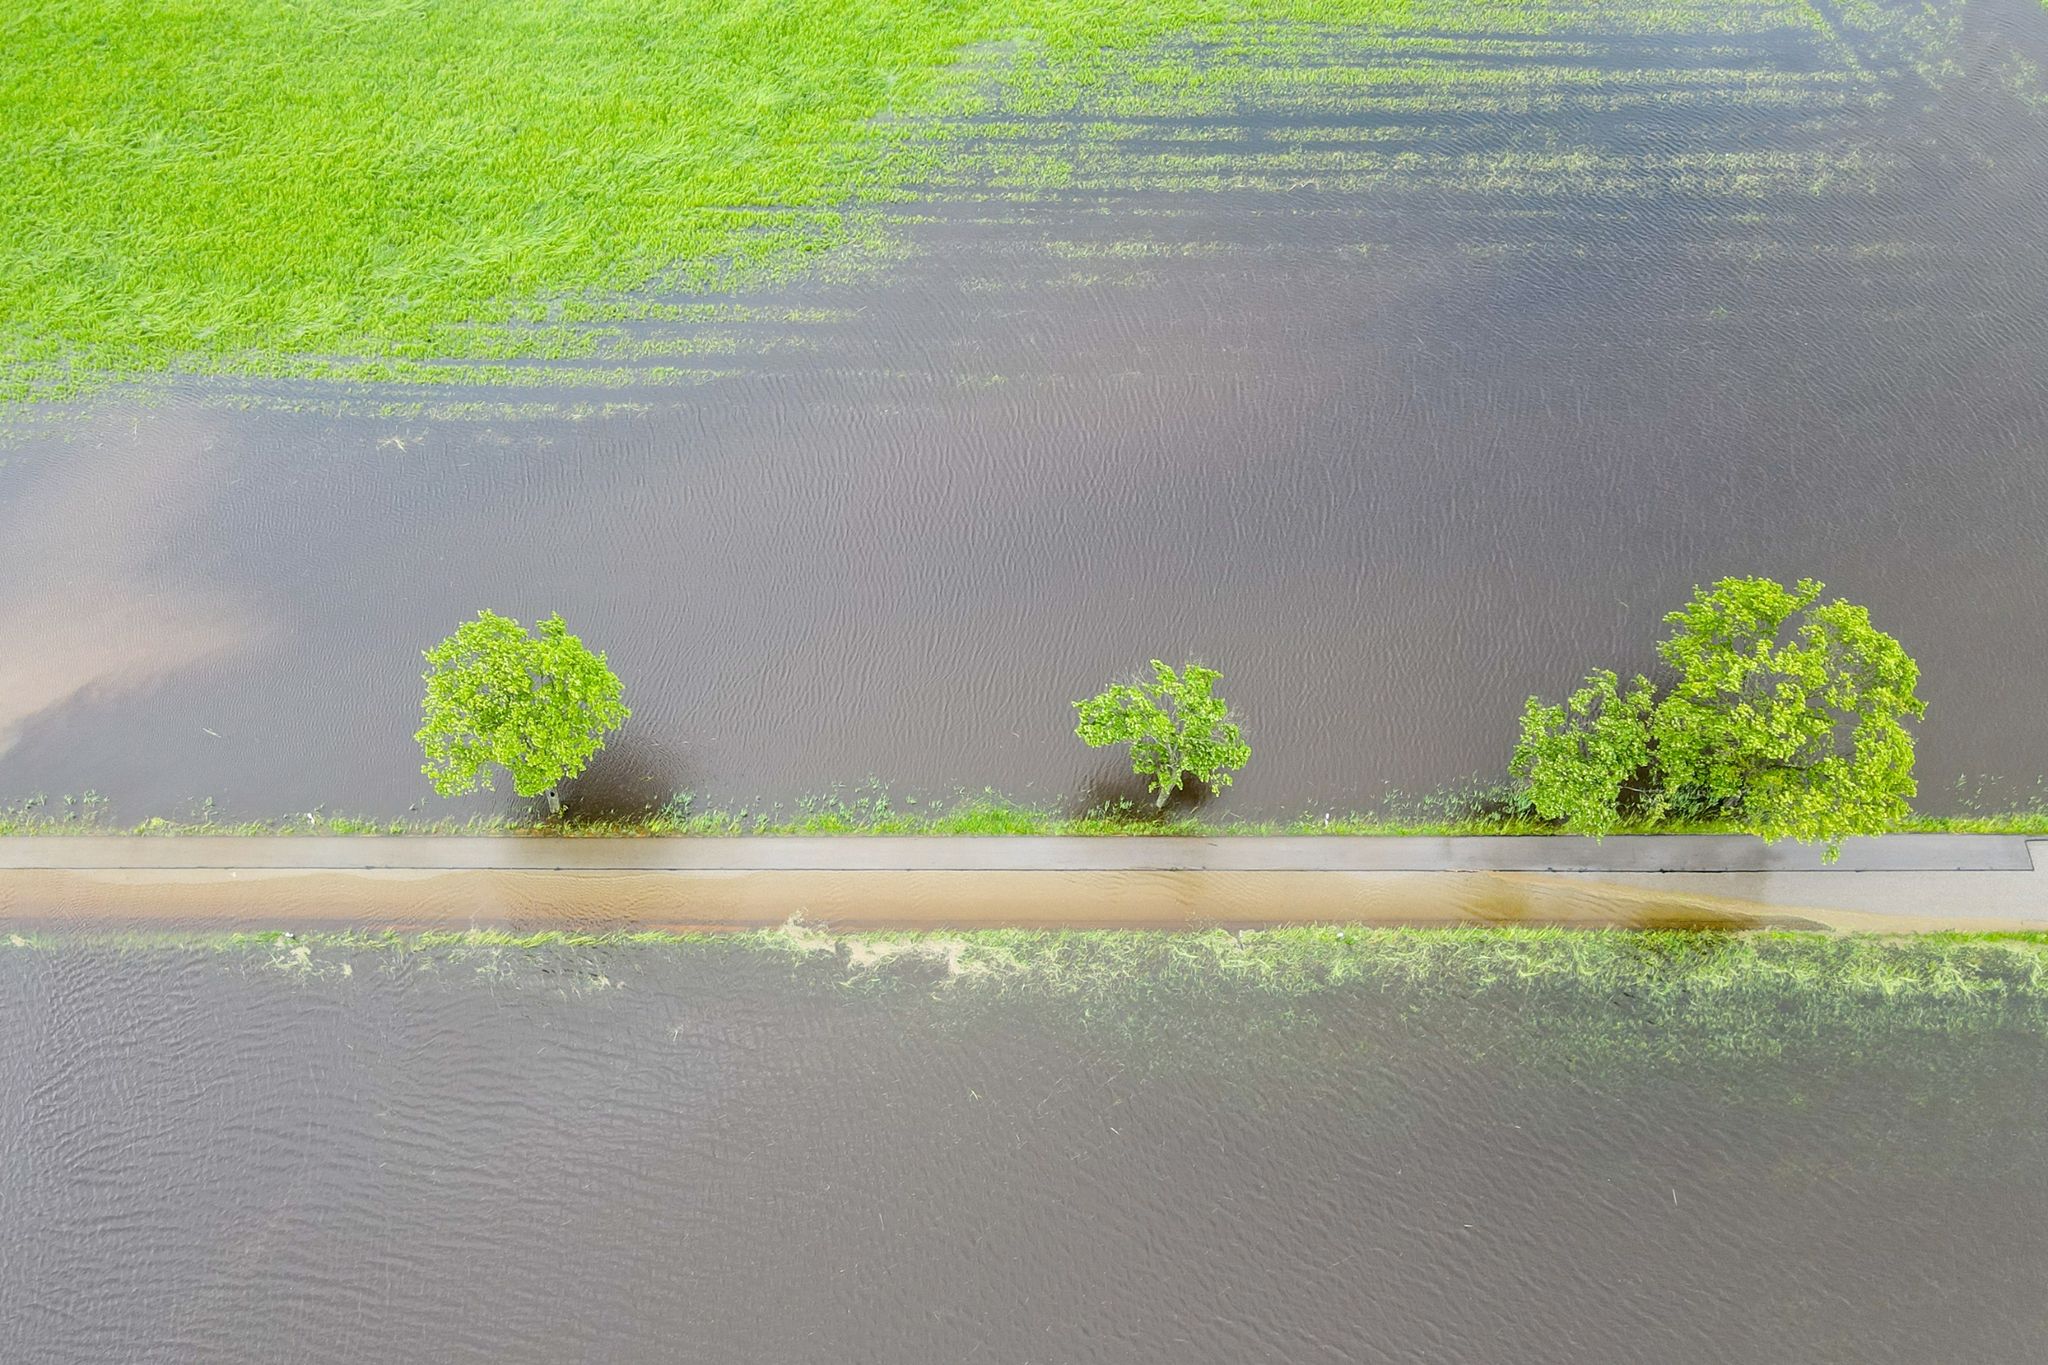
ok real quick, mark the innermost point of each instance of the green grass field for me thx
(364, 187)
(202, 180)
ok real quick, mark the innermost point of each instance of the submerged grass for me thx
(256, 180)
(1611, 1001)
(1540, 1002)
(1641, 964)
(261, 187)
(870, 810)
(1661, 971)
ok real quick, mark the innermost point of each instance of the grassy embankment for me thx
(1659, 993)
(872, 812)
(369, 189)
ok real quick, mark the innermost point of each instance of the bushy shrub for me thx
(1786, 717)
(1175, 724)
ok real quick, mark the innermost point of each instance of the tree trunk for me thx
(1180, 775)
(554, 801)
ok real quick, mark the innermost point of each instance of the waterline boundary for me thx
(1645, 853)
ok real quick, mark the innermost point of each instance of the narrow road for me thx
(1896, 882)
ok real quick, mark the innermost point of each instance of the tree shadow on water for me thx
(630, 779)
(1125, 796)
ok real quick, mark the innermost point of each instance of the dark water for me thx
(1396, 401)
(658, 1155)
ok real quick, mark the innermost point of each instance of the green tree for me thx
(1786, 716)
(537, 706)
(1176, 726)
(1581, 763)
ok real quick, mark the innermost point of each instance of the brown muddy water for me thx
(1396, 404)
(661, 1153)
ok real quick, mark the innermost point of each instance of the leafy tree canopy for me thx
(1786, 716)
(1175, 724)
(537, 706)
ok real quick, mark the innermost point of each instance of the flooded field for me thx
(1112, 1149)
(1399, 372)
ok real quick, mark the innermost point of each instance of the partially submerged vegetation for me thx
(1291, 960)
(1594, 1002)
(1177, 728)
(255, 187)
(1667, 967)
(872, 811)
(1785, 716)
(1304, 959)
(1785, 720)
(367, 191)
(259, 186)
(1535, 1006)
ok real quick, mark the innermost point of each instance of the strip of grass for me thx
(1640, 965)
(873, 812)
(1295, 1005)
(237, 185)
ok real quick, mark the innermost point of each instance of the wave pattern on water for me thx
(688, 1153)
(1398, 372)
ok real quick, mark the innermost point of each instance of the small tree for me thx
(1176, 726)
(1580, 762)
(537, 707)
(1786, 716)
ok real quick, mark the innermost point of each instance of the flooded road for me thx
(687, 1153)
(1418, 377)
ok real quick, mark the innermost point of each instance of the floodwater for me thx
(1397, 402)
(668, 1154)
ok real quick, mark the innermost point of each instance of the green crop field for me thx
(209, 180)
(372, 188)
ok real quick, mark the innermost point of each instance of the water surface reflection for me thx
(662, 1154)
(1399, 398)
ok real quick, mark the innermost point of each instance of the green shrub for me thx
(1785, 718)
(1176, 726)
